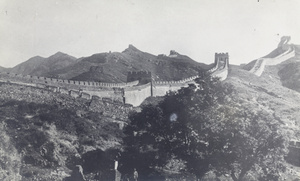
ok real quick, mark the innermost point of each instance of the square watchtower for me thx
(143, 77)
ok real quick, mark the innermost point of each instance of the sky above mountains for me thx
(246, 29)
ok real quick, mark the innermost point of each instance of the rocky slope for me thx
(44, 135)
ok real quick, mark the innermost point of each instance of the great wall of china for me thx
(132, 92)
(139, 85)
(117, 99)
(260, 63)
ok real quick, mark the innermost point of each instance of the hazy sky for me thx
(247, 29)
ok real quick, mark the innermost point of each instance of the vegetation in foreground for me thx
(204, 129)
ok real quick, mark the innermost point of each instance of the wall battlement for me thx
(139, 86)
(143, 77)
(67, 83)
(221, 56)
(183, 81)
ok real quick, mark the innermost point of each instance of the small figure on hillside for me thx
(135, 175)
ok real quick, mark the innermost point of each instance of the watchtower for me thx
(143, 77)
(222, 59)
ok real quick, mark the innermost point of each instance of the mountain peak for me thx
(58, 54)
(130, 49)
(61, 55)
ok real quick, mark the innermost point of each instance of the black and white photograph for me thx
(150, 90)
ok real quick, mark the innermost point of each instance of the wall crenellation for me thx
(143, 77)
(139, 84)
(54, 82)
(183, 81)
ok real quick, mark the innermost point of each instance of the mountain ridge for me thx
(40, 66)
(114, 66)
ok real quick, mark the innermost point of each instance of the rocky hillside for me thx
(44, 135)
(112, 66)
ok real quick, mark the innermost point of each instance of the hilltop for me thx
(112, 66)
(41, 66)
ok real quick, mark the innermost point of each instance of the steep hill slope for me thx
(267, 92)
(289, 74)
(289, 71)
(40, 66)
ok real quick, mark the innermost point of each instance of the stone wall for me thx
(115, 94)
(70, 84)
(260, 63)
(133, 95)
(289, 52)
(136, 95)
(222, 74)
(222, 69)
(282, 57)
(160, 88)
(143, 77)
(125, 93)
(259, 66)
(215, 67)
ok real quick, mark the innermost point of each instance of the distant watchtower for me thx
(222, 59)
(143, 77)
